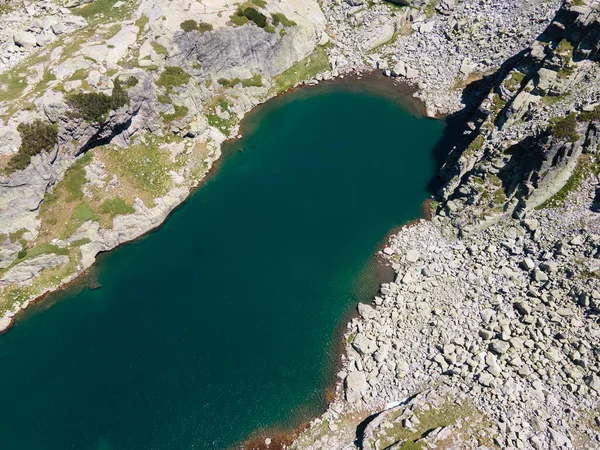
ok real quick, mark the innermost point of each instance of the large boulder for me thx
(356, 386)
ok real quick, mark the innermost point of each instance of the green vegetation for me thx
(255, 81)
(36, 137)
(280, 18)
(93, 107)
(260, 3)
(222, 124)
(565, 128)
(429, 418)
(429, 9)
(142, 22)
(75, 178)
(239, 19)
(564, 48)
(164, 99)
(594, 115)
(116, 206)
(228, 83)
(159, 49)
(145, 166)
(131, 82)
(192, 25)
(80, 242)
(515, 81)
(180, 112)
(172, 77)
(82, 213)
(303, 70)
(498, 103)
(475, 145)
(249, 14)
(586, 165)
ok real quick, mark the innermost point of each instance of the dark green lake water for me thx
(225, 319)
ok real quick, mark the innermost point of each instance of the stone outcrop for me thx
(528, 134)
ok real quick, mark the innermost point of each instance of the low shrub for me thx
(256, 16)
(565, 128)
(192, 25)
(173, 76)
(36, 137)
(255, 81)
(93, 106)
(280, 18)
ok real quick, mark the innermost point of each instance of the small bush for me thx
(228, 83)
(36, 137)
(173, 76)
(255, 81)
(260, 3)
(131, 81)
(164, 99)
(116, 206)
(189, 25)
(204, 27)
(280, 18)
(93, 106)
(255, 16)
(192, 25)
(565, 128)
(239, 18)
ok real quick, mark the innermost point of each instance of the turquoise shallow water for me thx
(222, 321)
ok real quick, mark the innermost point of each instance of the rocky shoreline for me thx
(486, 339)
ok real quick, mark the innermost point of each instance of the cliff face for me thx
(528, 135)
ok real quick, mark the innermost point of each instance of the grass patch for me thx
(145, 166)
(116, 206)
(280, 18)
(164, 99)
(565, 128)
(303, 70)
(83, 213)
(179, 113)
(585, 166)
(515, 81)
(447, 414)
(159, 49)
(173, 77)
(255, 81)
(228, 83)
(475, 145)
